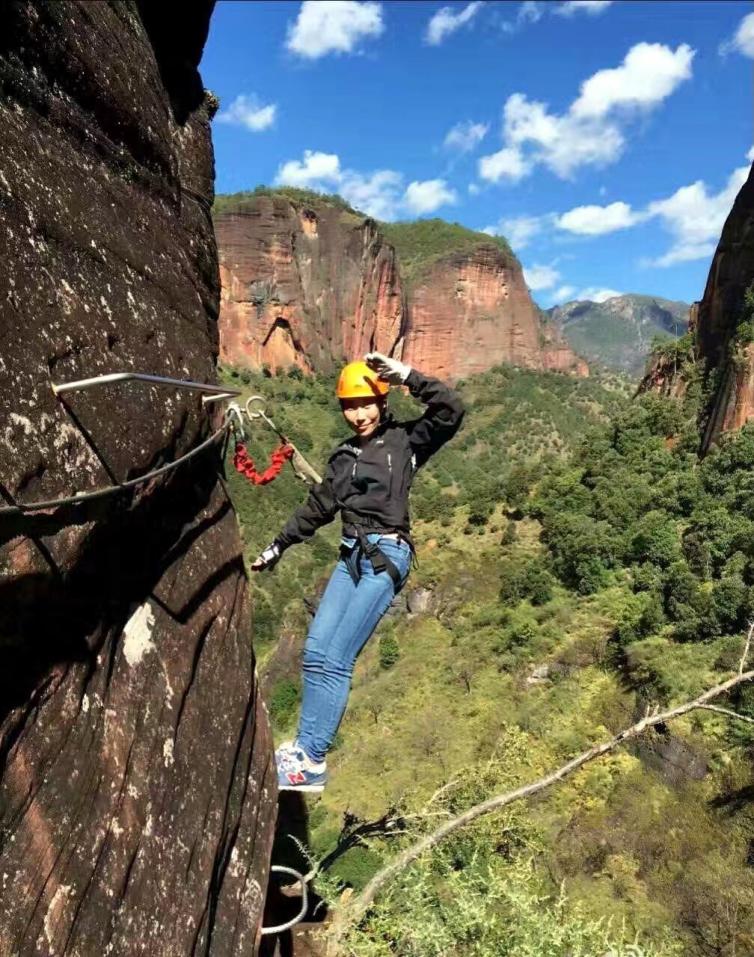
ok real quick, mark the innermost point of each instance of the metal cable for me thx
(279, 928)
(112, 489)
(218, 390)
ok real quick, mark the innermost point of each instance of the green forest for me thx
(577, 564)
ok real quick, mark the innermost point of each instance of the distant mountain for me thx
(618, 333)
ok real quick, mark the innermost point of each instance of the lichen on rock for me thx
(137, 794)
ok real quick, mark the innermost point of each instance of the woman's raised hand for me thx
(267, 559)
(389, 370)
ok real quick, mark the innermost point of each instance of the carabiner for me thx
(233, 412)
(259, 413)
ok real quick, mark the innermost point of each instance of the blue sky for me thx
(606, 140)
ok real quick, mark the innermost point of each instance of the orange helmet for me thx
(358, 381)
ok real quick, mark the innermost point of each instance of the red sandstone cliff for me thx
(720, 314)
(715, 324)
(309, 284)
(304, 285)
(472, 310)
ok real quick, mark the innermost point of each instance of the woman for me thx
(367, 480)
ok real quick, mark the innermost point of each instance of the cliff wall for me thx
(472, 310)
(309, 283)
(305, 285)
(137, 799)
(720, 317)
(722, 330)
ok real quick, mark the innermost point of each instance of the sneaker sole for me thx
(309, 788)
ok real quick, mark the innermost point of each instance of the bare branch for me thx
(745, 655)
(355, 909)
(727, 711)
(439, 792)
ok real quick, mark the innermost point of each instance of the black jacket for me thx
(370, 479)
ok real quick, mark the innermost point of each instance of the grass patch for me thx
(421, 243)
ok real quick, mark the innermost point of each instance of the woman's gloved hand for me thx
(267, 559)
(389, 370)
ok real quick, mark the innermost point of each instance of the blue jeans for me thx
(346, 618)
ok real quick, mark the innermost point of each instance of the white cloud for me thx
(519, 230)
(465, 136)
(333, 26)
(563, 294)
(597, 220)
(427, 196)
(540, 277)
(474, 189)
(597, 294)
(695, 218)
(379, 194)
(246, 110)
(316, 168)
(743, 39)
(750, 154)
(531, 11)
(563, 143)
(446, 21)
(650, 72)
(682, 253)
(508, 163)
(592, 7)
(590, 132)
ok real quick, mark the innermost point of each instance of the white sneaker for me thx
(297, 772)
(286, 747)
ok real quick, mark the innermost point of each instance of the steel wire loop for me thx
(279, 928)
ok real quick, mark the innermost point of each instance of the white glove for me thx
(268, 558)
(389, 370)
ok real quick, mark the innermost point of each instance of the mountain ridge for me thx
(618, 332)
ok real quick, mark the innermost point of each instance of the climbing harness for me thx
(279, 928)
(379, 561)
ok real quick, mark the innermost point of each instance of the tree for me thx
(389, 650)
(354, 910)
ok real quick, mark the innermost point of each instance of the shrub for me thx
(389, 650)
(283, 701)
(356, 867)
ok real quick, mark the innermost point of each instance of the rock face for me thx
(137, 801)
(618, 332)
(309, 283)
(721, 324)
(471, 311)
(305, 285)
(719, 317)
(557, 354)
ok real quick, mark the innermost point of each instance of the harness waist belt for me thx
(377, 559)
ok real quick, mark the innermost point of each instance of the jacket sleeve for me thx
(319, 509)
(441, 420)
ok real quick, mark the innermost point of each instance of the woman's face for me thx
(363, 415)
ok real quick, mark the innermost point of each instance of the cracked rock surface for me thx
(137, 793)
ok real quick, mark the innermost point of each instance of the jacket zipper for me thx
(390, 474)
